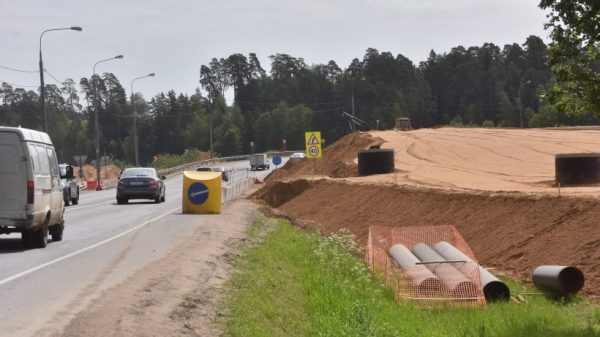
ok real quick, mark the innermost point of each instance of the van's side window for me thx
(53, 162)
(34, 159)
(44, 163)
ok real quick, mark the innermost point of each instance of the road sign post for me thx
(313, 147)
(104, 162)
(313, 144)
(276, 160)
(80, 160)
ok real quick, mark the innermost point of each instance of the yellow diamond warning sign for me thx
(313, 139)
(313, 144)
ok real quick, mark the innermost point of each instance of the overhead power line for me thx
(20, 70)
(302, 103)
(54, 78)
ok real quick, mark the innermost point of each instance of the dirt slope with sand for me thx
(494, 185)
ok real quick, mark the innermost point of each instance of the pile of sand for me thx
(338, 161)
(108, 172)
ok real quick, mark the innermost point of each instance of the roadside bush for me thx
(487, 124)
(457, 121)
(164, 161)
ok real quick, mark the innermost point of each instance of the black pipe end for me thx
(375, 161)
(496, 291)
(571, 280)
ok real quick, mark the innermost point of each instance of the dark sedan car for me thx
(140, 183)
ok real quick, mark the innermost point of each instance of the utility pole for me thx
(43, 89)
(353, 113)
(210, 129)
(520, 111)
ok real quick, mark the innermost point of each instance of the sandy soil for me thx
(494, 185)
(486, 159)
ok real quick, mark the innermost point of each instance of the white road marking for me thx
(195, 194)
(49, 263)
(86, 206)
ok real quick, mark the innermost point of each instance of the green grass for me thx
(296, 283)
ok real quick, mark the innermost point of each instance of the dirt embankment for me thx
(89, 172)
(339, 159)
(512, 233)
(493, 185)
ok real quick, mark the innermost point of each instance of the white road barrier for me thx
(239, 182)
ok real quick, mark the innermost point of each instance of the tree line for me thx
(489, 85)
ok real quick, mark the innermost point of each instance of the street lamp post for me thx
(135, 137)
(42, 86)
(96, 108)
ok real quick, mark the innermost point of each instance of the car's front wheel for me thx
(67, 197)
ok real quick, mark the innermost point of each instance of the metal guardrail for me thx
(209, 162)
(239, 180)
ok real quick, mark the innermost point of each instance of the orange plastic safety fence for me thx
(438, 282)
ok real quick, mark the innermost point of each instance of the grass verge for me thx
(296, 283)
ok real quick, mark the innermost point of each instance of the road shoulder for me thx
(177, 294)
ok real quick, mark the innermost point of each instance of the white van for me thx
(31, 196)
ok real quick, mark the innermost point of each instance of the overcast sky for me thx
(173, 38)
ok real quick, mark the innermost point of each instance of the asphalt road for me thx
(103, 244)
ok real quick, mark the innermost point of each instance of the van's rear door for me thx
(13, 178)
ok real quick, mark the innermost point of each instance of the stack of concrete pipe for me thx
(456, 281)
(493, 288)
(456, 277)
(421, 278)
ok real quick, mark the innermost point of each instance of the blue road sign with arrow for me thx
(198, 193)
(276, 160)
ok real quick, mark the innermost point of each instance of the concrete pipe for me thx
(493, 288)
(456, 282)
(559, 279)
(375, 161)
(572, 169)
(421, 278)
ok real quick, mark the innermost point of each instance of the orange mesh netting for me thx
(405, 257)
